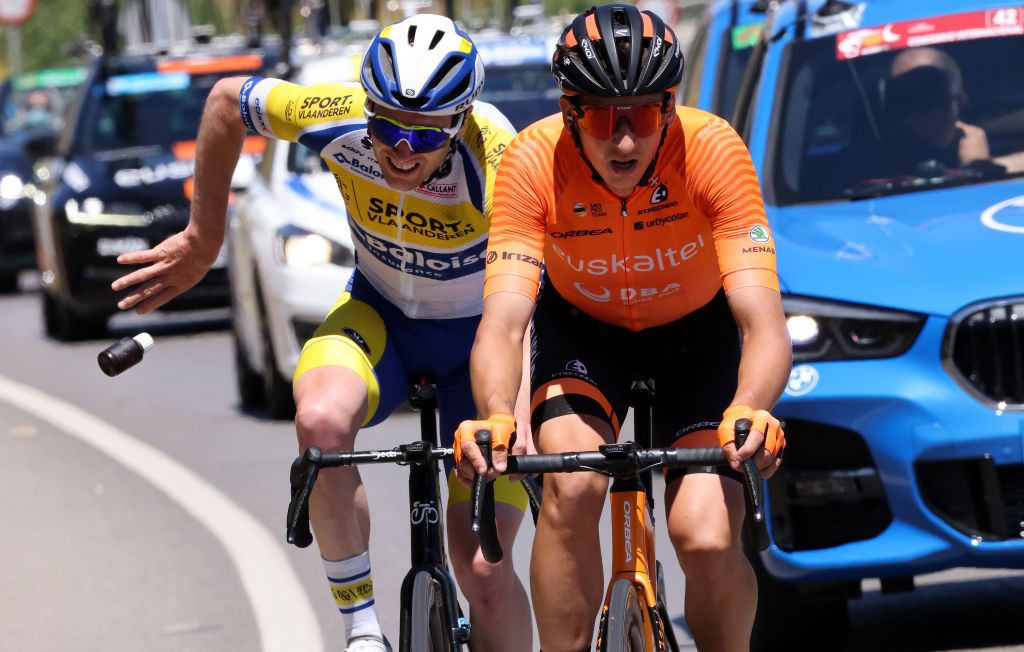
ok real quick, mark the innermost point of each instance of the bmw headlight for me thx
(297, 247)
(829, 330)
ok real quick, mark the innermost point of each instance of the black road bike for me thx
(431, 619)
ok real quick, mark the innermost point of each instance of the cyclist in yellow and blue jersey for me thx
(415, 158)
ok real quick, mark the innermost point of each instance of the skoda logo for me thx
(410, 92)
(759, 233)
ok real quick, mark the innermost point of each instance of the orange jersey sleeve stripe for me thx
(521, 203)
(511, 283)
(721, 173)
(745, 278)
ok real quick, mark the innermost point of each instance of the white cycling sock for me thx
(352, 588)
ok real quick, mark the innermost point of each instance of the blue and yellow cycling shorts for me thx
(367, 334)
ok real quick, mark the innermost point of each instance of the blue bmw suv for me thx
(889, 141)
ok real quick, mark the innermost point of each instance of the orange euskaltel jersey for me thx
(647, 260)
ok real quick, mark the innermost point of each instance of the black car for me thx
(32, 106)
(121, 179)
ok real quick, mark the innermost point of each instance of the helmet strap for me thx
(644, 180)
(446, 166)
(579, 147)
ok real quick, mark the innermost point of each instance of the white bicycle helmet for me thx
(423, 63)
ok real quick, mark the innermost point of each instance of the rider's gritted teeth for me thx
(402, 167)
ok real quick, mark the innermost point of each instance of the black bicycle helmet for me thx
(616, 50)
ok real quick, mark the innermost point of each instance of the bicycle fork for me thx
(633, 554)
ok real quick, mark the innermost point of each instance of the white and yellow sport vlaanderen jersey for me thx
(423, 250)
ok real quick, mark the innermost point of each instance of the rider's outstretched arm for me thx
(496, 366)
(181, 261)
(764, 362)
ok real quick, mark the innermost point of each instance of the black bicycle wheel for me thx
(427, 616)
(622, 626)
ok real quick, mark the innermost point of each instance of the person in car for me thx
(415, 158)
(37, 110)
(924, 99)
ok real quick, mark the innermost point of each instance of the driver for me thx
(924, 97)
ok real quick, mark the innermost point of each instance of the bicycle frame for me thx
(633, 551)
(426, 517)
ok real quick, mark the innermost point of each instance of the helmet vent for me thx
(412, 34)
(409, 102)
(386, 63)
(438, 35)
(445, 72)
(457, 91)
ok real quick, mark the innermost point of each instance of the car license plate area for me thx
(118, 246)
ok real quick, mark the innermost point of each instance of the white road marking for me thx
(283, 613)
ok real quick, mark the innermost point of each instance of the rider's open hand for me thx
(765, 442)
(172, 267)
(470, 461)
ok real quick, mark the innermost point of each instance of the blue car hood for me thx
(931, 252)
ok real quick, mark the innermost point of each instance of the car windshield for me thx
(903, 120)
(39, 99)
(739, 45)
(524, 93)
(152, 110)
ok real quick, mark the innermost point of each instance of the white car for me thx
(290, 256)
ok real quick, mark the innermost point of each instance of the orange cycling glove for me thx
(501, 426)
(762, 420)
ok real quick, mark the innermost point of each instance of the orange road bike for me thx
(634, 616)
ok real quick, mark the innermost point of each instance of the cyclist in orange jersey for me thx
(647, 221)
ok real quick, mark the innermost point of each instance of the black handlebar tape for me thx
(742, 429)
(553, 462)
(596, 460)
(482, 499)
(755, 525)
(476, 495)
(696, 457)
(303, 476)
(124, 354)
(534, 493)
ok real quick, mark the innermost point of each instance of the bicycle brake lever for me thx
(757, 528)
(303, 475)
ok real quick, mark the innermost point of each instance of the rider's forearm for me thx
(764, 367)
(496, 367)
(522, 411)
(218, 148)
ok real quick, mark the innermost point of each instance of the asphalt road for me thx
(147, 511)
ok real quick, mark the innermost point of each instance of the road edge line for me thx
(283, 613)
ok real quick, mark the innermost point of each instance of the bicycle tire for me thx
(622, 626)
(427, 616)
